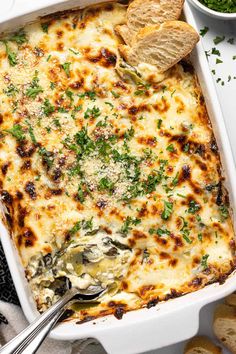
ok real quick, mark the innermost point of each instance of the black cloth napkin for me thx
(7, 289)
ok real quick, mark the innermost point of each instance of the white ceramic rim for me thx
(220, 15)
(171, 321)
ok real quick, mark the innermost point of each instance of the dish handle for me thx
(159, 331)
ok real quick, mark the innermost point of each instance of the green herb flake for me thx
(80, 193)
(218, 61)
(204, 261)
(199, 236)
(16, 131)
(193, 207)
(11, 90)
(92, 113)
(75, 228)
(106, 184)
(168, 209)
(115, 94)
(11, 56)
(224, 213)
(170, 148)
(47, 107)
(66, 68)
(34, 89)
(215, 51)
(230, 40)
(159, 123)
(213, 72)
(74, 51)
(203, 31)
(18, 37)
(45, 26)
(218, 39)
(129, 222)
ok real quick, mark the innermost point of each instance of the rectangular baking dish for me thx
(168, 322)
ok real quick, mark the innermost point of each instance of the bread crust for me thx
(201, 345)
(224, 326)
(148, 12)
(161, 45)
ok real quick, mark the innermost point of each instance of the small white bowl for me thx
(204, 9)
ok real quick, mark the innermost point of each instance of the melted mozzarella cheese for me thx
(111, 174)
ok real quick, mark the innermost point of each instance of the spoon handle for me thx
(39, 327)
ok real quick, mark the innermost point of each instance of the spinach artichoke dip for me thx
(110, 174)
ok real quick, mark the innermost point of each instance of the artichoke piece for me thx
(60, 285)
(128, 72)
(92, 254)
(78, 306)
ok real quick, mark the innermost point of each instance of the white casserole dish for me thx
(169, 322)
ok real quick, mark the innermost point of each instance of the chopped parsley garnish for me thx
(204, 261)
(199, 236)
(31, 132)
(129, 133)
(11, 90)
(215, 52)
(11, 56)
(90, 94)
(218, 61)
(75, 228)
(142, 89)
(74, 51)
(45, 26)
(87, 224)
(92, 113)
(159, 122)
(52, 85)
(186, 147)
(204, 31)
(17, 132)
(168, 209)
(218, 39)
(34, 89)
(224, 213)
(230, 40)
(175, 179)
(129, 222)
(160, 231)
(170, 148)
(106, 184)
(193, 207)
(75, 110)
(56, 122)
(18, 37)
(185, 231)
(47, 156)
(80, 193)
(115, 94)
(47, 107)
(66, 68)
(221, 6)
(102, 123)
(70, 95)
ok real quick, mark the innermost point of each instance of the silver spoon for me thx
(29, 340)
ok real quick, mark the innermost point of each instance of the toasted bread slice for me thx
(161, 45)
(231, 300)
(224, 326)
(141, 13)
(201, 345)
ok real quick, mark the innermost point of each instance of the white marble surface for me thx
(227, 98)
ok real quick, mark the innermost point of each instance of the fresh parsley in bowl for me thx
(222, 9)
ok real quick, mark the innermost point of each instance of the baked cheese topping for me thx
(110, 174)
